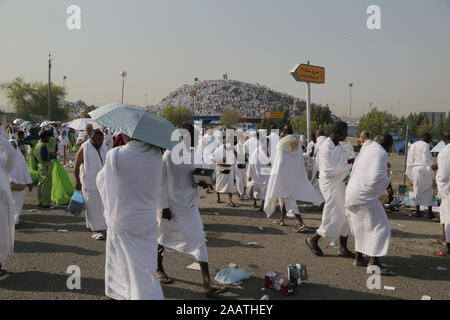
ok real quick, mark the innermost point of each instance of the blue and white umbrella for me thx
(136, 123)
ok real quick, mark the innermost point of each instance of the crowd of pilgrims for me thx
(142, 199)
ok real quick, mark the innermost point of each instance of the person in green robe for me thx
(21, 143)
(32, 140)
(44, 152)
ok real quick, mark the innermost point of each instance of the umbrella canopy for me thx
(25, 123)
(80, 124)
(136, 123)
(18, 121)
(438, 148)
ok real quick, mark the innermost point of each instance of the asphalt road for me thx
(38, 269)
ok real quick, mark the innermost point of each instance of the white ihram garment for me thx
(7, 207)
(224, 181)
(241, 174)
(184, 232)
(288, 179)
(19, 175)
(368, 219)
(443, 184)
(92, 164)
(130, 187)
(259, 169)
(315, 161)
(418, 170)
(333, 169)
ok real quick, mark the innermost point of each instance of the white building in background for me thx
(435, 118)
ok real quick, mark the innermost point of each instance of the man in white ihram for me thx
(443, 184)
(130, 187)
(364, 140)
(288, 181)
(368, 220)
(333, 170)
(180, 224)
(419, 169)
(7, 206)
(88, 163)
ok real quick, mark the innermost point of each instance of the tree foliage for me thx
(377, 122)
(176, 115)
(30, 99)
(321, 118)
(85, 113)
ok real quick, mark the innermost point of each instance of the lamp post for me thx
(350, 85)
(123, 75)
(49, 108)
(146, 100)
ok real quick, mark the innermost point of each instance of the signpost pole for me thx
(308, 111)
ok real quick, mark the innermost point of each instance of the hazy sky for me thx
(164, 44)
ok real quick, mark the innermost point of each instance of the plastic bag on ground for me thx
(34, 176)
(63, 187)
(232, 275)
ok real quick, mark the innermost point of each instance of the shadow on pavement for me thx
(45, 247)
(232, 228)
(37, 281)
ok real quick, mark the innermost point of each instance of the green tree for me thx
(424, 128)
(176, 115)
(321, 114)
(30, 99)
(377, 122)
(299, 124)
(85, 113)
(231, 118)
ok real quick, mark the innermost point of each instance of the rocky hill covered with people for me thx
(213, 97)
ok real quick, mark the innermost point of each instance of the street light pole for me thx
(350, 115)
(123, 75)
(49, 108)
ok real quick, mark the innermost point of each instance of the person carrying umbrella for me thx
(130, 188)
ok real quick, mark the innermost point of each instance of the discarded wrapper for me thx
(261, 228)
(441, 268)
(265, 297)
(389, 288)
(253, 244)
(426, 298)
(63, 230)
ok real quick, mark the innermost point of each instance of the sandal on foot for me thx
(231, 205)
(164, 278)
(360, 263)
(98, 236)
(318, 252)
(215, 291)
(347, 254)
(300, 229)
